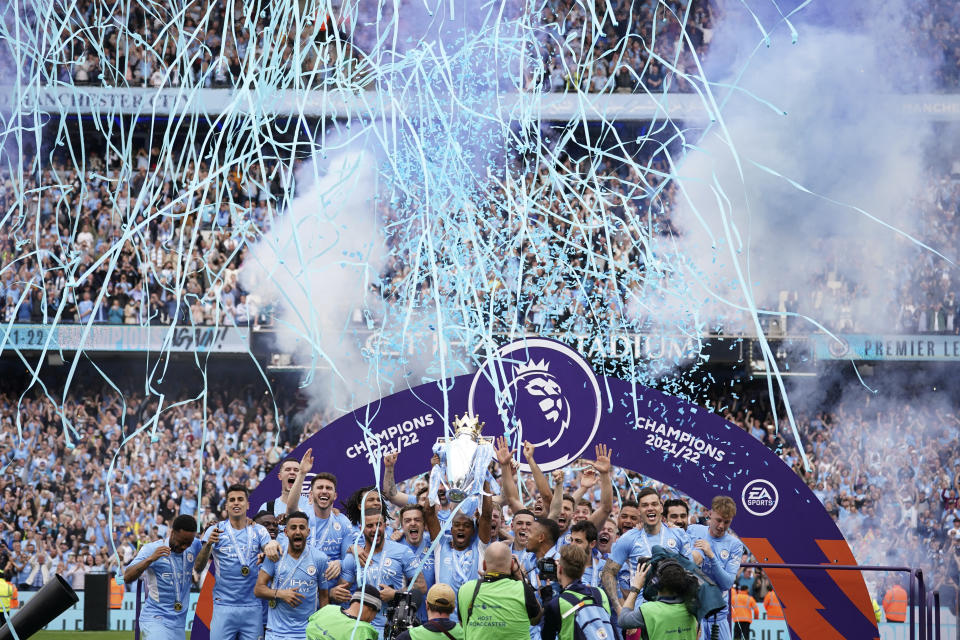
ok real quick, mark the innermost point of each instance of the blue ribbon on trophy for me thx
(464, 460)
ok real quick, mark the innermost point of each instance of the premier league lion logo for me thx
(533, 384)
(540, 389)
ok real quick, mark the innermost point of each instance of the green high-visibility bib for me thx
(673, 619)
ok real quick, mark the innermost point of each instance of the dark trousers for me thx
(741, 630)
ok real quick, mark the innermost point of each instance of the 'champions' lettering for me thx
(393, 438)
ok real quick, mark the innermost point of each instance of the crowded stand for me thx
(141, 290)
(140, 47)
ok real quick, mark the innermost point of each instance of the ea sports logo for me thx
(538, 388)
(760, 497)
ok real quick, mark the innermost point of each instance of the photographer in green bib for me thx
(580, 612)
(667, 617)
(500, 606)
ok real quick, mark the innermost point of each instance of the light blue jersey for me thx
(280, 507)
(303, 574)
(537, 581)
(636, 544)
(455, 567)
(332, 535)
(234, 550)
(562, 541)
(423, 561)
(390, 566)
(167, 582)
(723, 568)
(591, 573)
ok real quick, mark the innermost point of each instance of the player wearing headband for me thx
(386, 565)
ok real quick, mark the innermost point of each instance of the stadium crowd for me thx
(924, 295)
(207, 48)
(228, 44)
(58, 235)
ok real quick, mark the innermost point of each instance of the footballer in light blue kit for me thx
(294, 587)
(166, 567)
(287, 474)
(638, 543)
(382, 563)
(458, 555)
(721, 552)
(415, 538)
(269, 521)
(330, 532)
(584, 535)
(235, 545)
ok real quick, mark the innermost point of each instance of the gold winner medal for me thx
(273, 604)
(245, 570)
(178, 606)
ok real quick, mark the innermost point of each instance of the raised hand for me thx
(528, 450)
(504, 455)
(588, 479)
(306, 462)
(390, 459)
(602, 464)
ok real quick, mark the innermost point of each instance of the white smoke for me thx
(817, 113)
(318, 265)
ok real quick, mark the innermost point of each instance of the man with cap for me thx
(441, 601)
(353, 623)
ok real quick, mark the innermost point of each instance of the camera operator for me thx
(665, 617)
(576, 596)
(441, 601)
(502, 605)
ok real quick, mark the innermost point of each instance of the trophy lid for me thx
(467, 424)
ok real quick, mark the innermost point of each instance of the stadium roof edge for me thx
(620, 107)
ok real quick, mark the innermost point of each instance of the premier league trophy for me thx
(464, 459)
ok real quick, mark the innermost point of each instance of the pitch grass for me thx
(85, 635)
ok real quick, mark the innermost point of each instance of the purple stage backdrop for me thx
(545, 392)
